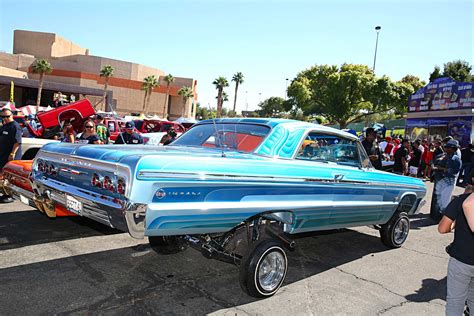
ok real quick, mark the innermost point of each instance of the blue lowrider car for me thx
(235, 189)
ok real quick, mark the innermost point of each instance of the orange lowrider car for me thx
(16, 182)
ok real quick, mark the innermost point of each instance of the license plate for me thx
(73, 205)
(24, 200)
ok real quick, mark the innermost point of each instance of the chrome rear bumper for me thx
(17, 192)
(116, 213)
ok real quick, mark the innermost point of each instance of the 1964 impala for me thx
(235, 189)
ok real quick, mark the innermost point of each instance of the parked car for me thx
(51, 121)
(156, 126)
(115, 126)
(16, 183)
(237, 190)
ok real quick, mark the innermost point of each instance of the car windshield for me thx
(231, 136)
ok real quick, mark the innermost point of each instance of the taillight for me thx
(96, 181)
(50, 169)
(41, 166)
(121, 186)
(108, 185)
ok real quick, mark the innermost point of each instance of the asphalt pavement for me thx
(76, 266)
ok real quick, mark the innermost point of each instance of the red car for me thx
(157, 126)
(115, 126)
(50, 121)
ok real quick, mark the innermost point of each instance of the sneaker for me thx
(6, 199)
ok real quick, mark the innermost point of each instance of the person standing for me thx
(400, 165)
(372, 149)
(467, 158)
(445, 178)
(88, 135)
(460, 281)
(10, 140)
(102, 130)
(414, 164)
(129, 136)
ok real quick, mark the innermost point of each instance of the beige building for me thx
(73, 65)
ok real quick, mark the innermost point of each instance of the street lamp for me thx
(377, 29)
(259, 97)
(286, 90)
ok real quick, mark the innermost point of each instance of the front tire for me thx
(167, 245)
(394, 233)
(263, 269)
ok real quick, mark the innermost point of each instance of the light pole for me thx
(286, 89)
(259, 97)
(377, 29)
(246, 101)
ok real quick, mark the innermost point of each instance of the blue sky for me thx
(268, 41)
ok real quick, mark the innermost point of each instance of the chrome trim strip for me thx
(273, 205)
(150, 174)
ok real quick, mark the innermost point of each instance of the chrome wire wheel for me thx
(401, 229)
(271, 270)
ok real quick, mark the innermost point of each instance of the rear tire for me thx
(167, 245)
(263, 269)
(395, 232)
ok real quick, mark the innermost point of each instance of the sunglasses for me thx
(5, 116)
(88, 126)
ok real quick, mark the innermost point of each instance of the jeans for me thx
(460, 287)
(444, 190)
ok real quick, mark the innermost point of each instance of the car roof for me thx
(286, 123)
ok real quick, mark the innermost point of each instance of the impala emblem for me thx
(160, 194)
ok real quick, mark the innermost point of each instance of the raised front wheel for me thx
(263, 269)
(395, 232)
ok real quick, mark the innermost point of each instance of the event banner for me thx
(442, 94)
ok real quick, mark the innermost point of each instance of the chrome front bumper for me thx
(120, 214)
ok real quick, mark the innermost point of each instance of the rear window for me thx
(227, 136)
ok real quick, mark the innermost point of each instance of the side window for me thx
(111, 126)
(329, 148)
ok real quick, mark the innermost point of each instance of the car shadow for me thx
(421, 220)
(135, 280)
(25, 228)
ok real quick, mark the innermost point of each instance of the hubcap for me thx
(400, 232)
(272, 270)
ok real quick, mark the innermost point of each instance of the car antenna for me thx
(217, 134)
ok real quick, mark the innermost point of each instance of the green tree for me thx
(41, 67)
(149, 83)
(186, 93)
(273, 107)
(435, 74)
(413, 81)
(342, 94)
(169, 79)
(238, 78)
(107, 71)
(458, 70)
(220, 83)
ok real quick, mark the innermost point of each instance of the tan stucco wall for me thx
(12, 72)
(44, 45)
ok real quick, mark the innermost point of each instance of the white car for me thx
(31, 146)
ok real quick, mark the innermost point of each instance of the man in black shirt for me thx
(461, 263)
(372, 149)
(10, 144)
(400, 157)
(416, 158)
(129, 136)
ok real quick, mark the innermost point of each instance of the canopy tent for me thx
(9, 106)
(189, 120)
(31, 109)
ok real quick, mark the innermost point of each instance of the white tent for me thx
(9, 106)
(184, 120)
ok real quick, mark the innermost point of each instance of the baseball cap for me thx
(129, 125)
(452, 143)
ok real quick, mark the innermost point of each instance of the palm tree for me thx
(148, 84)
(186, 93)
(168, 79)
(238, 78)
(107, 71)
(41, 67)
(220, 83)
